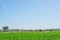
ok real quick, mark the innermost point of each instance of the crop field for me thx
(45, 35)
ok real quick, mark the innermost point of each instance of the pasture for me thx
(45, 35)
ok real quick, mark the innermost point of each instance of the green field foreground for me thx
(46, 35)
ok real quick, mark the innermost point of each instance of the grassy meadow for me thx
(45, 35)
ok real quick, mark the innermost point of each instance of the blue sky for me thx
(30, 14)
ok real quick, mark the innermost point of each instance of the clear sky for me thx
(30, 14)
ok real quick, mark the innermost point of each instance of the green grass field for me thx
(53, 35)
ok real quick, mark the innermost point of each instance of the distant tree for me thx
(5, 28)
(51, 29)
(40, 30)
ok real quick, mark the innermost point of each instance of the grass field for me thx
(53, 35)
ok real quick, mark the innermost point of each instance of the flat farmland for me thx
(45, 35)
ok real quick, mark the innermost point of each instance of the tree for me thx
(5, 28)
(40, 30)
(51, 29)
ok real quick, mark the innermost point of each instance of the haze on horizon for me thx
(30, 14)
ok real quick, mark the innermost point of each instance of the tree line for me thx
(6, 28)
